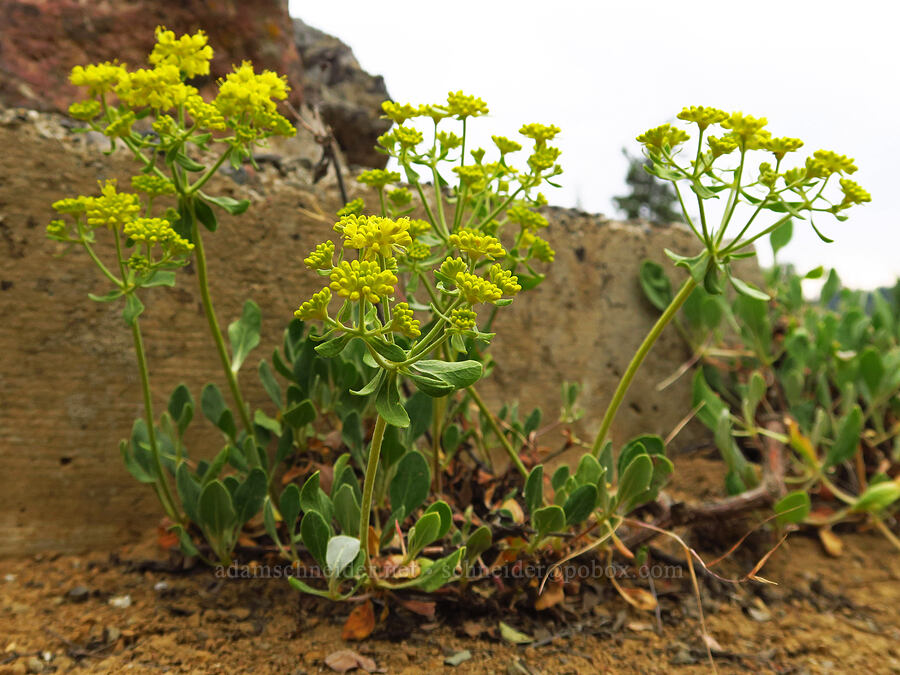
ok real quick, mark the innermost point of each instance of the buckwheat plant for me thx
(419, 292)
(180, 140)
(737, 158)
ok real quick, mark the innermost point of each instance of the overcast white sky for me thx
(827, 72)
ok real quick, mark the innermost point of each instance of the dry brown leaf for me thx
(638, 598)
(420, 607)
(167, 539)
(474, 628)
(711, 642)
(292, 473)
(832, 544)
(344, 660)
(638, 626)
(511, 505)
(360, 623)
(553, 595)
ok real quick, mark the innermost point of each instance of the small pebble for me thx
(161, 586)
(458, 658)
(120, 601)
(34, 665)
(79, 594)
(9, 578)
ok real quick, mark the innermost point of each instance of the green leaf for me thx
(410, 485)
(634, 482)
(289, 505)
(315, 533)
(300, 414)
(160, 278)
(656, 285)
(313, 498)
(460, 374)
(233, 206)
(534, 489)
(188, 492)
(514, 636)
(212, 403)
(185, 542)
(792, 508)
(548, 519)
(589, 470)
(419, 408)
(187, 163)
(748, 289)
(871, 368)
(387, 403)
(440, 572)
(431, 386)
(347, 509)
(269, 383)
(781, 237)
(831, 287)
(181, 407)
(249, 497)
(133, 308)
(262, 420)
(478, 542)
(442, 508)
(877, 497)
(333, 347)
(205, 215)
(389, 350)
(216, 511)
(846, 441)
(559, 477)
(341, 552)
(424, 532)
(372, 385)
(581, 504)
(244, 334)
(107, 297)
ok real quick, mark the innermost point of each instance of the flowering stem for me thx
(208, 173)
(203, 282)
(161, 485)
(368, 488)
(638, 358)
(513, 456)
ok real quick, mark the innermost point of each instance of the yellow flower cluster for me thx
(453, 266)
(471, 175)
(417, 251)
(475, 289)
(205, 115)
(505, 145)
(353, 207)
(316, 307)
(461, 105)
(747, 130)
(85, 110)
(538, 248)
(783, 145)
(448, 140)
(152, 231)
(664, 135)
(99, 78)
(362, 279)
(159, 88)
(402, 321)
(189, 53)
(853, 193)
(722, 146)
(71, 205)
(540, 133)
(826, 162)
(378, 177)
(463, 319)
(399, 112)
(152, 184)
(505, 280)
(400, 197)
(111, 209)
(121, 126)
(249, 97)
(418, 227)
(767, 175)
(543, 158)
(525, 217)
(702, 116)
(374, 235)
(408, 137)
(322, 257)
(476, 244)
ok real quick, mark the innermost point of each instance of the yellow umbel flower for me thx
(471, 175)
(435, 112)
(540, 133)
(120, 127)
(400, 197)
(247, 97)
(399, 112)
(795, 176)
(543, 158)
(748, 130)
(374, 234)
(322, 257)
(352, 208)
(72, 205)
(159, 88)
(189, 53)
(58, 229)
(111, 209)
(767, 175)
(408, 137)
(662, 136)
(460, 105)
(402, 321)
(853, 193)
(539, 248)
(138, 263)
(505, 280)
(476, 244)
(525, 217)
(722, 146)
(152, 184)
(505, 145)
(362, 279)
(417, 251)
(418, 227)
(448, 140)
(453, 266)
(100, 78)
(783, 145)
(153, 231)
(462, 319)
(205, 115)
(830, 162)
(316, 308)
(702, 116)
(85, 110)
(378, 177)
(475, 289)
